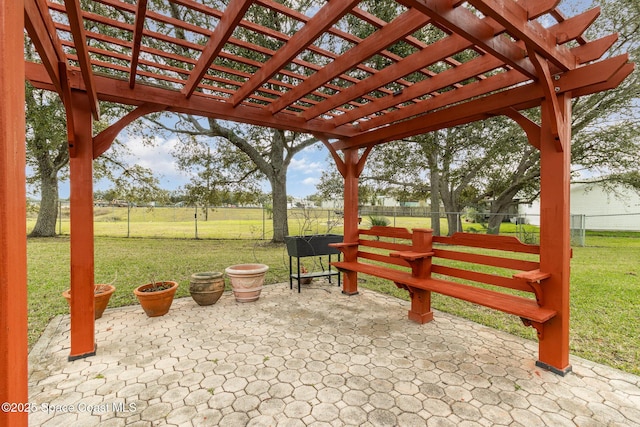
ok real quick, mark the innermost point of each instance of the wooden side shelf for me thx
(299, 276)
(312, 246)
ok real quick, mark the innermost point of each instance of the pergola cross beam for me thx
(402, 26)
(326, 17)
(76, 22)
(460, 20)
(141, 11)
(233, 14)
(41, 30)
(514, 18)
(582, 80)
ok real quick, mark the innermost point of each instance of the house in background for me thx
(604, 209)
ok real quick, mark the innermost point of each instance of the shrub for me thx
(379, 220)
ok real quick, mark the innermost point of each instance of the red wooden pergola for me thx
(491, 57)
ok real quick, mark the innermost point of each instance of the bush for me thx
(379, 220)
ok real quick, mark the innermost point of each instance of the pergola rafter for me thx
(326, 17)
(234, 13)
(514, 18)
(45, 39)
(482, 32)
(429, 65)
(582, 81)
(141, 11)
(277, 82)
(405, 24)
(76, 22)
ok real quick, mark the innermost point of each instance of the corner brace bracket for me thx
(539, 327)
(551, 102)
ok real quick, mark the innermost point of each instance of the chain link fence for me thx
(256, 223)
(185, 222)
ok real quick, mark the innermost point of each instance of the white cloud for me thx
(158, 158)
(307, 166)
(310, 181)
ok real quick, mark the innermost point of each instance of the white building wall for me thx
(604, 210)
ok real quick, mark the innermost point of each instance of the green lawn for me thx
(238, 223)
(133, 262)
(605, 302)
(605, 294)
(181, 222)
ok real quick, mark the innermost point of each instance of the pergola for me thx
(222, 59)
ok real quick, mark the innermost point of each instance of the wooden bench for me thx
(422, 264)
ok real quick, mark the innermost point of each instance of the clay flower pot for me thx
(206, 288)
(305, 280)
(156, 298)
(247, 280)
(101, 296)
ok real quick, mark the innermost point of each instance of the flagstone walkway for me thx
(317, 358)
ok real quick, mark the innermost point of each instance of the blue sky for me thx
(303, 173)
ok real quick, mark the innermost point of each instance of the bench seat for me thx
(524, 308)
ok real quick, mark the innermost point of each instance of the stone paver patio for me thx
(317, 358)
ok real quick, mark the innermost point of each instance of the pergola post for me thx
(350, 279)
(81, 216)
(422, 241)
(13, 230)
(555, 238)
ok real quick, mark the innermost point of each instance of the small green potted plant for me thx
(156, 297)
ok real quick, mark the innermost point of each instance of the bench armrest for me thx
(533, 276)
(410, 255)
(343, 245)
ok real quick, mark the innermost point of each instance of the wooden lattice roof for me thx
(260, 62)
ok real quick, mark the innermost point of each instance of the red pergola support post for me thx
(422, 241)
(351, 173)
(555, 238)
(81, 216)
(13, 229)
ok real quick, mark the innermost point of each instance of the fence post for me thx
(578, 225)
(394, 213)
(128, 220)
(329, 226)
(195, 218)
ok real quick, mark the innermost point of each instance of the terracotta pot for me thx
(101, 296)
(304, 280)
(156, 303)
(247, 280)
(206, 288)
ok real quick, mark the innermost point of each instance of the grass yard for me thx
(605, 302)
(605, 294)
(133, 262)
(181, 222)
(237, 223)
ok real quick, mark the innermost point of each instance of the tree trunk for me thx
(494, 223)
(454, 222)
(451, 208)
(279, 219)
(499, 208)
(48, 213)
(434, 177)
